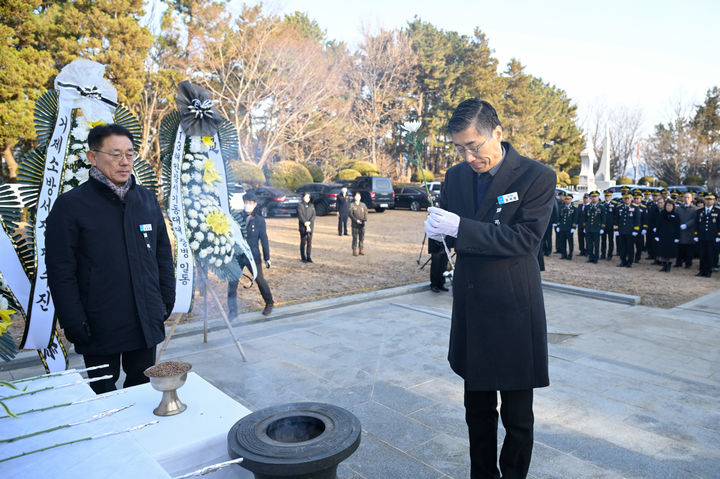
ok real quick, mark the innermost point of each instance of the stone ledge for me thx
(592, 293)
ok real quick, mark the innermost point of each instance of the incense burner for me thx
(170, 404)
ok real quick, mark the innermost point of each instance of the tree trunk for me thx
(12, 165)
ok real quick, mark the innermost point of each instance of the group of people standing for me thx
(669, 227)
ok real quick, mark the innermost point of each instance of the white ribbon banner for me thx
(217, 160)
(72, 84)
(184, 266)
(12, 270)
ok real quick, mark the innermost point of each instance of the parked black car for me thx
(323, 195)
(682, 189)
(375, 191)
(412, 197)
(275, 201)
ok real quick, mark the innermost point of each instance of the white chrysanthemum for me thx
(211, 236)
(67, 187)
(216, 250)
(184, 190)
(197, 177)
(195, 189)
(187, 202)
(78, 146)
(223, 240)
(3, 283)
(82, 174)
(188, 156)
(411, 126)
(197, 145)
(204, 227)
(208, 188)
(202, 254)
(3, 303)
(194, 245)
(71, 159)
(198, 164)
(218, 263)
(185, 177)
(83, 157)
(80, 132)
(199, 236)
(184, 166)
(192, 213)
(227, 259)
(193, 224)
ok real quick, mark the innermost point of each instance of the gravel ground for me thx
(392, 244)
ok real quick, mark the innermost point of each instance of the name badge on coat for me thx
(145, 228)
(509, 198)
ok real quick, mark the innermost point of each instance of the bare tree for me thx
(381, 83)
(624, 126)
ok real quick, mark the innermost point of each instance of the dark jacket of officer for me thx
(568, 217)
(627, 219)
(707, 226)
(102, 270)
(609, 207)
(688, 217)
(343, 204)
(667, 230)
(653, 215)
(594, 218)
(498, 337)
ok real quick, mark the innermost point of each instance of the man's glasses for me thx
(128, 155)
(474, 151)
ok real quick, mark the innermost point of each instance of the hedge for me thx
(289, 174)
(317, 173)
(416, 176)
(348, 174)
(246, 172)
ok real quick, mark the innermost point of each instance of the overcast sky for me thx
(637, 53)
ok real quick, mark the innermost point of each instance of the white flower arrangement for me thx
(77, 166)
(208, 228)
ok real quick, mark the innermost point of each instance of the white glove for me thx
(634, 233)
(695, 239)
(441, 222)
(717, 240)
(643, 232)
(617, 233)
(584, 230)
(683, 226)
(557, 230)
(657, 239)
(676, 241)
(654, 230)
(602, 231)
(267, 263)
(554, 225)
(572, 230)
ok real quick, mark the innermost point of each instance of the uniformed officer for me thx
(594, 226)
(567, 224)
(639, 239)
(664, 193)
(582, 241)
(707, 234)
(687, 212)
(627, 227)
(607, 241)
(653, 213)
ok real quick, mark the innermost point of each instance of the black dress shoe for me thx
(304, 260)
(443, 288)
(434, 289)
(268, 309)
(621, 265)
(309, 260)
(687, 266)
(345, 234)
(629, 265)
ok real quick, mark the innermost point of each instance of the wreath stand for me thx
(204, 288)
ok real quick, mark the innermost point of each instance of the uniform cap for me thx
(586, 195)
(594, 194)
(709, 196)
(568, 195)
(626, 195)
(701, 194)
(608, 192)
(624, 188)
(664, 191)
(637, 194)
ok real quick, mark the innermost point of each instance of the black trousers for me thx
(566, 243)
(707, 255)
(626, 246)
(582, 240)
(593, 245)
(133, 364)
(342, 223)
(607, 244)
(546, 243)
(650, 245)
(305, 243)
(482, 419)
(438, 265)
(686, 253)
(639, 246)
(262, 286)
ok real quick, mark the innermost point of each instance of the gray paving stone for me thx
(628, 464)
(560, 438)
(375, 459)
(445, 454)
(448, 418)
(711, 421)
(441, 389)
(549, 463)
(703, 462)
(391, 427)
(399, 399)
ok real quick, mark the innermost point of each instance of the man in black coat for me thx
(582, 240)
(109, 264)
(256, 235)
(306, 226)
(627, 227)
(343, 210)
(707, 234)
(497, 206)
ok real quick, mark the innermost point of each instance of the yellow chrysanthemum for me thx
(210, 174)
(5, 319)
(208, 141)
(93, 124)
(218, 222)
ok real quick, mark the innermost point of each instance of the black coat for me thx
(256, 236)
(103, 271)
(306, 212)
(498, 337)
(343, 204)
(667, 229)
